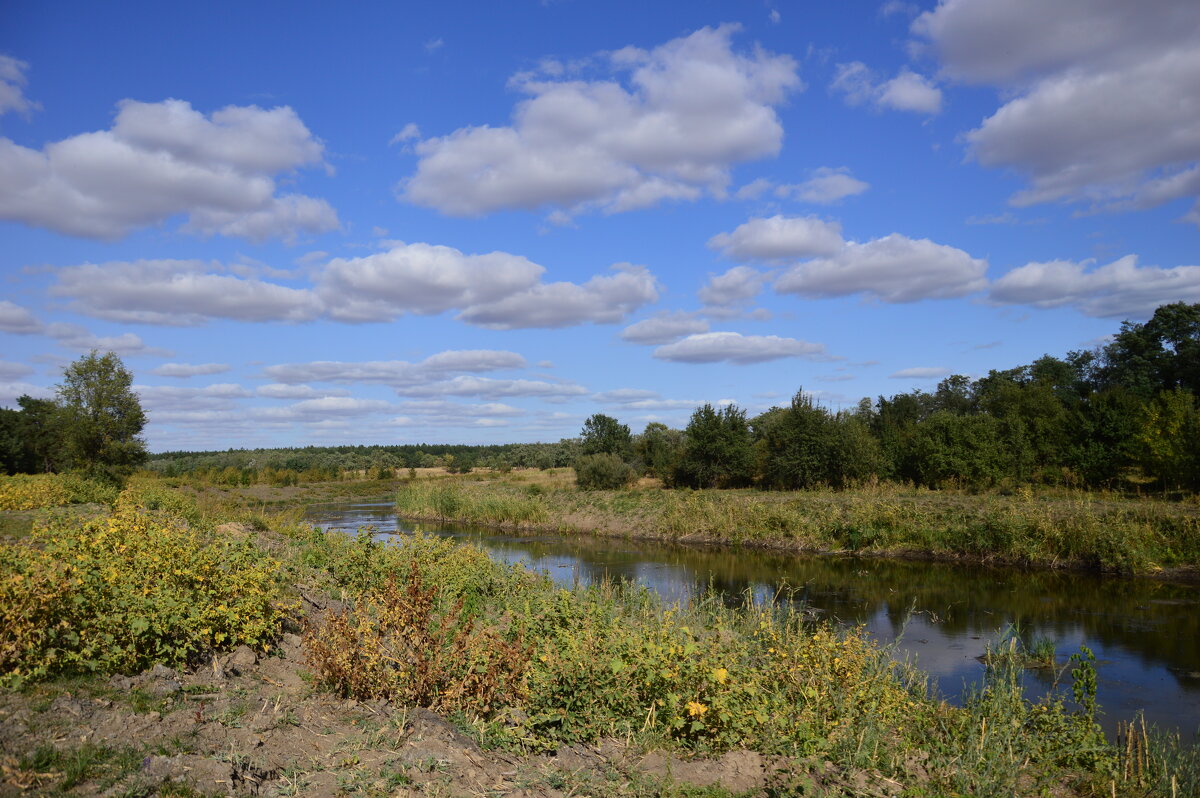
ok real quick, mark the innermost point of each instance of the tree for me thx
(605, 435)
(658, 448)
(101, 417)
(717, 450)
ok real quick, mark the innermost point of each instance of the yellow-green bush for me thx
(34, 491)
(123, 592)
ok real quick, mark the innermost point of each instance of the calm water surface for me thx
(1145, 633)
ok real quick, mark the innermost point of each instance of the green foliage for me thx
(603, 434)
(717, 450)
(1168, 443)
(33, 491)
(101, 417)
(658, 449)
(448, 500)
(121, 593)
(603, 472)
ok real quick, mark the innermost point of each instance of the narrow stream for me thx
(1145, 633)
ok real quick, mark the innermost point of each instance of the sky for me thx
(303, 223)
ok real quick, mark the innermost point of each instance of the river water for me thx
(1145, 633)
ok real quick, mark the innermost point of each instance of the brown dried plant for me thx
(394, 644)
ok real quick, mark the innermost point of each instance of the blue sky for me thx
(483, 222)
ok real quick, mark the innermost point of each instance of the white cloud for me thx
(11, 371)
(492, 388)
(179, 292)
(185, 370)
(732, 347)
(778, 238)
(894, 268)
(12, 86)
(158, 399)
(396, 372)
(407, 133)
(72, 336)
(908, 91)
(326, 407)
(1097, 94)
(825, 187)
(1120, 289)
(602, 299)
(921, 373)
(497, 290)
(278, 390)
(11, 391)
(454, 412)
(16, 319)
(734, 287)
(159, 160)
(692, 109)
(663, 328)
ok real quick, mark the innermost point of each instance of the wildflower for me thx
(720, 674)
(696, 709)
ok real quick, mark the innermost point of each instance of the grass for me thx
(1060, 529)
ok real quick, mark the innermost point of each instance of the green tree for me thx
(1168, 445)
(605, 435)
(658, 448)
(717, 450)
(793, 444)
(101, 416)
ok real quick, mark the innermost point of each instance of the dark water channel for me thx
(1145, 633)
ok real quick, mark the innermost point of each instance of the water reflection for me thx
(1146, 634)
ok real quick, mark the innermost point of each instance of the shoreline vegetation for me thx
(217, 640)
(1044, 528)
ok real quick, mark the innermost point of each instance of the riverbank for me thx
(184, 646)
(1061, 529)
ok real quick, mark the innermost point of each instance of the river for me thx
(1145, 633)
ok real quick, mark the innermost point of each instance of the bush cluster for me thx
(120, 593)
(34, 491)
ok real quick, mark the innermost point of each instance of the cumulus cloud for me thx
(734, 287)
(324, 408)
(920, 373)
(496, 290)
(439, 412)
(16, 319)
(1097, 94)
(908, 91)
(732, 347)
(179, 292)
(689, 110)
(637, 399)
(492, 388)
(185, 370)
(664, 328)
(158, 400)
(779, 237)
(1121, 289)
(12, 86)
(894, 268)
(12, 371)
(278, 390)
(72, 336)
(825, 187)
(395, 372)
(11, 391)
(159, 160)
(602, 299)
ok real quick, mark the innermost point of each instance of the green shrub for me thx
(603, 472)
(121, 593)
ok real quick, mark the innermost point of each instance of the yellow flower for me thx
(720, 674)
(696, 709)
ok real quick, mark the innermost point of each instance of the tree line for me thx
(92, 426)
(1120, 416)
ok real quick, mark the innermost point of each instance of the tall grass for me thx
(452, 500)
(1070, 529)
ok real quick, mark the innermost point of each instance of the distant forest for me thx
(1121, 416)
